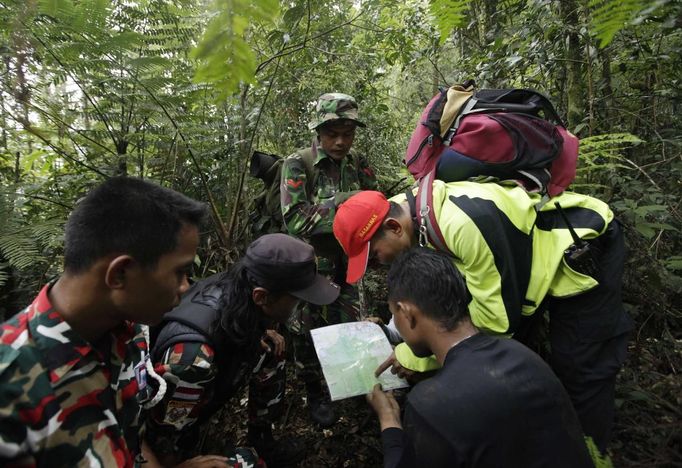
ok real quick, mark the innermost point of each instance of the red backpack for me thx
(510, 134)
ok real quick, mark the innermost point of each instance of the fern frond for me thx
(608, 143)
(225, 58)
(604, 152)
(449, 14)
(610, 16)
(19, 251)
(3, 273)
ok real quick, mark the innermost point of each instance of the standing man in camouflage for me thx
(315, 181)
(73, 367)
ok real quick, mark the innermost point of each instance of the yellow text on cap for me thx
(368, 226)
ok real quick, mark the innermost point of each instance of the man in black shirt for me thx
(493, 403)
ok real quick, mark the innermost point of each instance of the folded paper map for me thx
(349, 354)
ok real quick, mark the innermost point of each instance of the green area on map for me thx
(349, 354)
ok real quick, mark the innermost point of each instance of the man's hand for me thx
(273, 339)
(396, 368)
(374, 319)
(385, 406)
(205, 461)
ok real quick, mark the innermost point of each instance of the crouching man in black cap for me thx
(223, 336)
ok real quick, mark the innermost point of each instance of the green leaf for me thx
(57, 9)
(293, 14)
(449, 14)
(225, 58)
(610, 16)
(674, 263)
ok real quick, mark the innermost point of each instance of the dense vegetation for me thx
(181, 92)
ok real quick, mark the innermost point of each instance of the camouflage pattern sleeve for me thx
(189, 370)
(366, 176)
(13, 431)
(302, 216)
(63, 402)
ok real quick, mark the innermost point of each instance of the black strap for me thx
(412, 202)
(576, 239)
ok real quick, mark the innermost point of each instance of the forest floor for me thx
(647, 432)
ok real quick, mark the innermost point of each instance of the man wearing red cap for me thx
(514, 254)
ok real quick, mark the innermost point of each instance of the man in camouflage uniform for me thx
(315, 181)
(73, 372)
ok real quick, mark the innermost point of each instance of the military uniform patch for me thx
(177, 413)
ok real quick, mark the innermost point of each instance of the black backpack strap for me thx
(466, 110)
(525, 101)
(412, 203)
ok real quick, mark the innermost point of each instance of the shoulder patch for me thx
(178, 413)
(294, 184)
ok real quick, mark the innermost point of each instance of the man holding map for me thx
(520, 256)
(493, 403)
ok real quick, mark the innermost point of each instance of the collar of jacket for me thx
(60, 346)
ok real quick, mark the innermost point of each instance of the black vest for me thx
(191, 321)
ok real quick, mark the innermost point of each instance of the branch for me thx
(435, 67)
(60, 121)
(288, 50)
(29, 128)
(233, 218)
(675, 213)
(81, 87)
(49, 200)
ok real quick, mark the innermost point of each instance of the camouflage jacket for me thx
(195, 390)
(306, 216)
(64, 401)
(190, 372)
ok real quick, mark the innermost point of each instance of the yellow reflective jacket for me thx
(510, 248)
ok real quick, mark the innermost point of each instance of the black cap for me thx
(282, 263)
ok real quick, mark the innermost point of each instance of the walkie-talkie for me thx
(581, 255)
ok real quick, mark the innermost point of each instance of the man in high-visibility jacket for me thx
(514, 253)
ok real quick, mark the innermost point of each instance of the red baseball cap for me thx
(356, 221)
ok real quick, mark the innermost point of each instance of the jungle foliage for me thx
(181, 92)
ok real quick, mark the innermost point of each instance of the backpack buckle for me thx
(423, 230)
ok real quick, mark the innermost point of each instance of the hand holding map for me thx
(349, 354)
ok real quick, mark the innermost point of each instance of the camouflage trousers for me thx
(345, 309)
(266, 392)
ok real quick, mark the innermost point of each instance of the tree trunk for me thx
(17, 167)
(607, 90)
(122, 158)
(574, 63)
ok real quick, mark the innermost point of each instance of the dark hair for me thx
(394, 211)
(237, 325)
(429, 280)
(130, 216)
